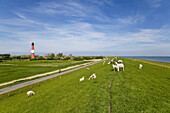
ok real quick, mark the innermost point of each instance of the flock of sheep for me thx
(118, 64)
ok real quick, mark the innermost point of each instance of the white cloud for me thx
(130, 19)
(154, 3)
(77, 35)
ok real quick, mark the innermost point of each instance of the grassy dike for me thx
(133, 90)
(146, 90)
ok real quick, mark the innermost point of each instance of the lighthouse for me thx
(32, 50)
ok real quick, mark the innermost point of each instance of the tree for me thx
(49, 56)
(52, 55)
(5, 56)
(60, 54)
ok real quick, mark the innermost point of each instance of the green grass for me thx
(22, 69)
(146, 90)
(133, 90)
(165, 64)
(66, 94)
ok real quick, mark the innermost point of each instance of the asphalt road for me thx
(18, 86)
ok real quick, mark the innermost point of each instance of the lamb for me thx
(140, 66)
(110, 62)
(120, 66)
(103, 62)
(30, 93)
(120, 61)
(115, 67)
(92, 76)
(81, 79)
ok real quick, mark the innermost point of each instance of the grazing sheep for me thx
(120, 65)
(120, 61)
(109, 62)
(87, 68)
(140, 66)
(92, 76)
(81, 79)
(115, 67)
(30, 93)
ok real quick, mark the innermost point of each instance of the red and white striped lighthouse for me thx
(32, 50)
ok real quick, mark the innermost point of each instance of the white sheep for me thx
(103, 62)
(140, 66)
(92, 76)
(120, 66)
(30, 93)
(120, 61)
(115, 67)
(81, 79)
(87, 68)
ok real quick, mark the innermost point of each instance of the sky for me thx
(86, 27)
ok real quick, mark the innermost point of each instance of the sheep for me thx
(110, 62)
(87, 68)
(92, 76)
(30, 93)
(115, 67)
(103, 62)
(120, 66)
(120, 61)
(81, 79)
(140, 66)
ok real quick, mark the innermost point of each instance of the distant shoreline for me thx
(151, 58)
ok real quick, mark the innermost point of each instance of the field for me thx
(133, 90)
(12, 70)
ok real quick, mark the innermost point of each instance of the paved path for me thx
(18, 86)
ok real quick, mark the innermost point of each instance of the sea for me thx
(153, 58)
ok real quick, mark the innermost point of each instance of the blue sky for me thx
(86, 27)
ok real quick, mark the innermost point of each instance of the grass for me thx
(22, 69)
(133, 90)
(66, 94)
(163, 64)
(145, 90)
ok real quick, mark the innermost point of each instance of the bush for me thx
(87, 57)
(99, 57)
(78, 58)
(66, 58)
